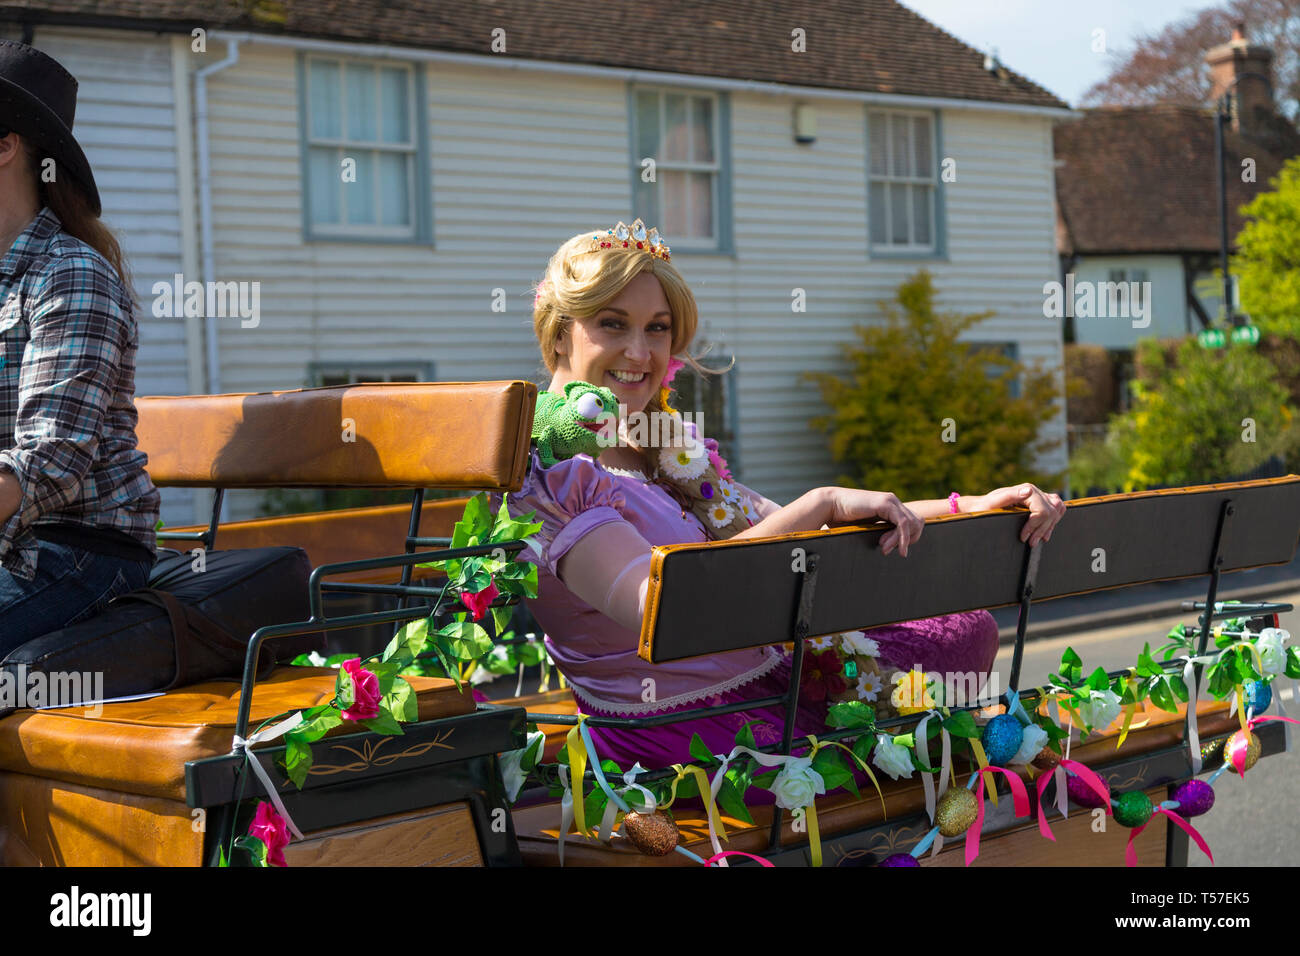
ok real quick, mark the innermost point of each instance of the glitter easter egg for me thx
(1047, 759)
(1081, 793)
(1194, 798)
(1133, 809)
(1237, 742)
(899, 859)
(1001, 739)
(955, 811)
(654, 834)
(1258, 695)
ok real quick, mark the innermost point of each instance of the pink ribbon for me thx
(718, 856)
(1239, 753)
(1130, 854)
(1018, 793)
(1087, 776)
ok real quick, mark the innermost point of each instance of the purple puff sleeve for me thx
(572, 498)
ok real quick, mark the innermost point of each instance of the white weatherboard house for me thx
(796, 148)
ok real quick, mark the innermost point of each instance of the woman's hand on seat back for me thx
(848, 505)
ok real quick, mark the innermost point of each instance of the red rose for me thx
(365, 692)
(480, 601)
(269, 827)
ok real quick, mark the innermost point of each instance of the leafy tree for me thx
(1267, 264)
(1207, 416)
(912, 384)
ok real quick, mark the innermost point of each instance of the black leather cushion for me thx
(132, 643)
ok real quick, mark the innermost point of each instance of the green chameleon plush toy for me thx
(572, 423)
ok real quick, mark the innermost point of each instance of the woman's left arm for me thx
(1045, 510)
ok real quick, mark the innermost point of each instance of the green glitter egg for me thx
(1133, 809)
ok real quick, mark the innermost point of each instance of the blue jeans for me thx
(71, 584)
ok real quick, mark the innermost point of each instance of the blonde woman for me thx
(613, 310)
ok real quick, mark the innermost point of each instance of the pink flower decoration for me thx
(269, 827)
(365, 692)
(541, 287)
(720, 464)
(479, 602)
(674, 365)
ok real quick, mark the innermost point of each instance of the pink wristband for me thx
(952, 502)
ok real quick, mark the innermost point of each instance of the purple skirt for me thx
(955, 644)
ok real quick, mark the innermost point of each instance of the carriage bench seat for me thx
(153, 781)
(123, 767)
(714, 597)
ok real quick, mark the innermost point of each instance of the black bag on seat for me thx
(186, 626)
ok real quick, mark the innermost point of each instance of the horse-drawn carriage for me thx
(175, 778)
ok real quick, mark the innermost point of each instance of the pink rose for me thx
(479, 602)
(365, 692)
(269, 827)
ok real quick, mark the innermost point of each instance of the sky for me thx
(1051, 41)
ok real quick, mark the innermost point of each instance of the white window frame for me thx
(716, 169)
(343, 145)
(889, 178)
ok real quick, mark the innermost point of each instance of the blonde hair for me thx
(578, 283)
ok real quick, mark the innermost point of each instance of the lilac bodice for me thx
(596, 654)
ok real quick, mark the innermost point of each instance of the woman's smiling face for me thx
(624, 347)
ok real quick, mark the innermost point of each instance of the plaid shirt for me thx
(68, 340)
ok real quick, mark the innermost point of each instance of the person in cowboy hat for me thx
(77, 509)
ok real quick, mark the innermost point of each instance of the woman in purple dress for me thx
(613, 311)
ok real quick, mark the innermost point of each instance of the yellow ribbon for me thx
(814, 836)
(1130, 708)
(577, 769)
(706, 794)
(1241, 710)
(817, 745)
(983, 761)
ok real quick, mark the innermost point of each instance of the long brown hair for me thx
(69, 202)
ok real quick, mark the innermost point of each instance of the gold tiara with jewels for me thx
(626, 236)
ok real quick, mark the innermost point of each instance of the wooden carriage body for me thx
(155, 782)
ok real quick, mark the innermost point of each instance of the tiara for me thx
(626, 235)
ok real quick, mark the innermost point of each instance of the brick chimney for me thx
(1252, 95)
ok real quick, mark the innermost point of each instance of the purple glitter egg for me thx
(1081, 793)
(1194, 798)
(900, 859)
(706, 490)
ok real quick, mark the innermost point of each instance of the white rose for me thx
(512, 773)
(1271, 652)
(797, 784)
(1033, 741)
(891, 757)
(1100, 709)
(857, 642)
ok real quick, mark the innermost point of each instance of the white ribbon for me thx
(1193, 732)
(922, 747)
(566, 809)
(262, 736)
(1281, 709)
(629, 778)
(1058, 775)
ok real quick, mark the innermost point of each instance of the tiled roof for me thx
(1144, 179)
(865, 45)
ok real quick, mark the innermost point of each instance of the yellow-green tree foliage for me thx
(1207, 416)
(1267, 263)
(911, 383)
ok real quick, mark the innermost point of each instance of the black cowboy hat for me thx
(38, 99)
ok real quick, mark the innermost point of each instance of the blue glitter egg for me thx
(899, 859)
(1258, 695)
(1001, 739)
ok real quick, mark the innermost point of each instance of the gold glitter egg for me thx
(654, 834)
(1252, 750)
(955, 811)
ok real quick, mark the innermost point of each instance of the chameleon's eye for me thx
(588, 405)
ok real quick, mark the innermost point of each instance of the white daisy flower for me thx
(727, 491)
(856, 642)
(721, 514)
(747, 509)
(869, 685)
(822, 643)
(687, 461)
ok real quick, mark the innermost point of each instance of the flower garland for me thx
(1244, 666)
(373, 693)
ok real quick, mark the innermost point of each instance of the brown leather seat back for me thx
(452, 435)
(722, 596)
